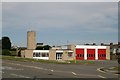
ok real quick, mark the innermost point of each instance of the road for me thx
(17, 69)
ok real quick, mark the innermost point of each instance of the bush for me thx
(6, 52)
(39, 48)
(12, 49)
(13, 53)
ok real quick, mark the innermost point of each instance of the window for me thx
(47, 55)
(43, 55)
(33, 54)
(87, 55)
(37, 54)
(104, 55)
(91, 55)
(70, 54)
(80, 55)
(77, 55)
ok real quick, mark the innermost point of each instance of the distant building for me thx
(114, 51)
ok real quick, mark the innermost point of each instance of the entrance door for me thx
(59, 56)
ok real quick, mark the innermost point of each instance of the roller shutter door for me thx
(90, 54)
(79, 54)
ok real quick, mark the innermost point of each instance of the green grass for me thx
(46, 61)
(28, 59)
(80, 62)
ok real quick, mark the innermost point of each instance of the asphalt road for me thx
(16, 69)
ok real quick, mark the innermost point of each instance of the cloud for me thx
(56, 14)
(72, 18)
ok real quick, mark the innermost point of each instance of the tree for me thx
(94, 43)
(6, 43)
(39, 48)
(47, 47)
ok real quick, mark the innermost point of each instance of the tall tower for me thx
(31, 40)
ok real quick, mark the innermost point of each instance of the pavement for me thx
(17, 69)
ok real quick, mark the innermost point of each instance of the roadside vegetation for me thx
(46, 61)
(5, 47)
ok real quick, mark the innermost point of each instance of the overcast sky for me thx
(61, 22)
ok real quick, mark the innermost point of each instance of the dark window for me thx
(82, 55)
(104, 55)
(87, 55)
(33, 54)
(47, 55)
(43, 55)
(39, 54)
(78, 55)
(91, 55)
(70, 54)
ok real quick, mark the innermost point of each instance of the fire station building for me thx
(78, 52)
(71, 52)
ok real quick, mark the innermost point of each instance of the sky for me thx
(59, 23)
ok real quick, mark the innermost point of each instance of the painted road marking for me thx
(9, 68)
(86, 74)
(74, 73)
(101, 70)
(52, 70)
(101, 76)
(111, 71)
(19, 76)
(104, 71)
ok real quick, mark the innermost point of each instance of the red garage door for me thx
(90, 54)
(79, 54)
(101, 54)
